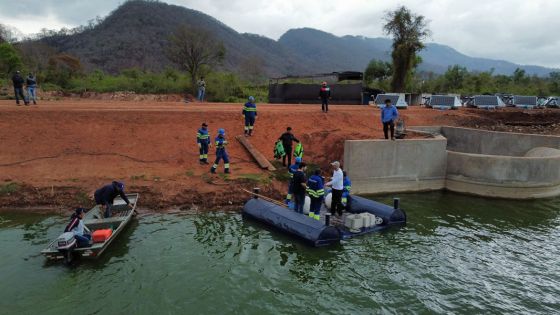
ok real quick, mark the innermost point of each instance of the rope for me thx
(279, 203)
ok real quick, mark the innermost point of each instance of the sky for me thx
(521, 31)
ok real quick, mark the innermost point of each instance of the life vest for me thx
(279, 150)
(298, 151)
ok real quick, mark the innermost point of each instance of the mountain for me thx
(354, 53)
(136, 35)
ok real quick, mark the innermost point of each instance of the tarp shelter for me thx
(444, 102)
(397, 99)
(487, 101)
(308, 93)
(524, 101)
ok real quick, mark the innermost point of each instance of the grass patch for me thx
(225, 177)
(189, 173)
(256, 178)
(138, 177)
(9, 188)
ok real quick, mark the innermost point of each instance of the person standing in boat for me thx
(337, 184)
(105, 195)
(316, 192)
(299, 187)
(78, 227)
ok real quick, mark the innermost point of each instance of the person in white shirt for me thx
(337, 185)
(78, 227)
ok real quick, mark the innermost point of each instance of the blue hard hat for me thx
(298, 159)
(221, 131)
(251, 99)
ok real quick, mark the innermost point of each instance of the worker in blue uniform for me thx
(250, 114)
(221, 152)
(291, 170)
(347, 188)
(203, 141)
(316, 191)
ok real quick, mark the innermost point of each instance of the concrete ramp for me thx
(256, 154)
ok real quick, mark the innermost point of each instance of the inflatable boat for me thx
(363, 216)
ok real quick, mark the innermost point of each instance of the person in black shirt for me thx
(18, 88)
(287, 140)
(299, 187)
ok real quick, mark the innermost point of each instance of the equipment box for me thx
(101, 236)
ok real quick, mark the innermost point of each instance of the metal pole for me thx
(256, 191)
(396, 202)
(327, 218)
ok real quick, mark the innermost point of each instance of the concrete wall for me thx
(472, 161)
(503, 176)
(495, 143)
(378, 166)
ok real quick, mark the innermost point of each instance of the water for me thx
(458, 254)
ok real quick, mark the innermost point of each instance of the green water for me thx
(457, 254)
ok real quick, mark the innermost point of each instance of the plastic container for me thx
(100, 236)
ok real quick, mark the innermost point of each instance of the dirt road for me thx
(56, 153)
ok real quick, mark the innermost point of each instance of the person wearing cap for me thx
(250, 113)
(287, 141)
(299, 187)
(325, 96)
(78, 227)
(203, 142)
(292, 170)
(31, 83)
(337, 184)
(201, 89)
(316, 192)
(105, 195)
(17, 80)
(221, 152)
(389, 115)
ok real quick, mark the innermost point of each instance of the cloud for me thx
(515, 30)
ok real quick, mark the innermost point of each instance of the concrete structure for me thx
(496, 164)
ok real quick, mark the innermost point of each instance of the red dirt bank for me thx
(58, 152)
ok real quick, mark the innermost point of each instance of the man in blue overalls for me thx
(316, 191)
(203, 141)
(250, 114)
(221, 153)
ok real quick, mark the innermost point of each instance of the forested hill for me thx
(136, 35)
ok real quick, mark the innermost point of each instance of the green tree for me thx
(377, 70)
(62, 68)
(408, 31)
(9, 59)
(194, 48)
(455, 77)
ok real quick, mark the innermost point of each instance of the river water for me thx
(457, 254)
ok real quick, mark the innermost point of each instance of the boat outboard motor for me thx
(66, 243)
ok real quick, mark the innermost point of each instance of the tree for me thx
(62, 68)
(408, 31)
(454, 77)
(9, 59)
(377, 70)
(194, 48)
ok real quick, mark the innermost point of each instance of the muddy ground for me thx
(54, 155)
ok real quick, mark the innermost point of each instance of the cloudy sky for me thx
(521, 31)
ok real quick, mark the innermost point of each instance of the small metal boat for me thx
(65, 246)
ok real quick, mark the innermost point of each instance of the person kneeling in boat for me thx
(316, 192)
(78, 227)
(105, 195)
